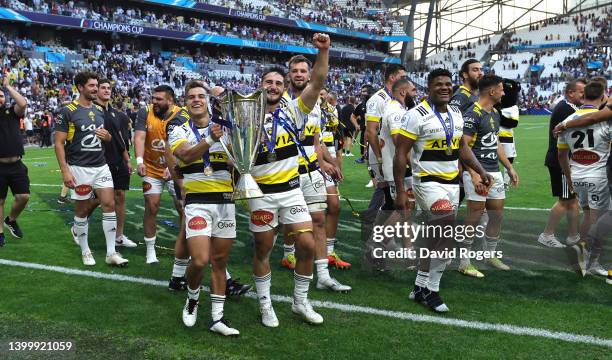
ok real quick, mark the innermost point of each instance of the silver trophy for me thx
(246, 115)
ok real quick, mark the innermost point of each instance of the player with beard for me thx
(313, 169)
(80, 153)
(466, 94)
(431, 132)
(153, 166)
(276, 171)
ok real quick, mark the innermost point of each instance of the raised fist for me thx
(321, 41)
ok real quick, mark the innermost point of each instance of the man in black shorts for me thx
(117, 156)
(567, 204)
(349, 125)
(13, 173)
(359, 117)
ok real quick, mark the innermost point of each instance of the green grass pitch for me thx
(125, 320)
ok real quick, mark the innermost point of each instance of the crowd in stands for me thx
(590, 28)
(321, 11)
(198, 23)
(134, 74)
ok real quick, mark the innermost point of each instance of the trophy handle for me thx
(229, 154)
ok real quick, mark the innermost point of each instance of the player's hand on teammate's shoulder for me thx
(559, 129)
(321, 41)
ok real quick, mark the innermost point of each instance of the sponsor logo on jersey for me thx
(197, 223)
(82, 190)
(261, 217)
(226, 224)
(585, 157)
(442, 206)
(146, 186)
(297, 209)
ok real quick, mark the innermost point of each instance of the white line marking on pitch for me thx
(476, 325)
(352, 200)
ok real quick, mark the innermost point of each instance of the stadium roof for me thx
(437, 24)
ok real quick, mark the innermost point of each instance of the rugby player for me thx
(465, 96)
(278, 177)
(210, 215)
(153, 166)
(585, 169)
(481, 132)
(79, 133)
(432, 132)
(312, 180)
(567, 204)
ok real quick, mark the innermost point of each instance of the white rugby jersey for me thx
(313, 126)
(428, 157)
(589, 147)
(282, 173)
(215, 188)
(390, 124)
(375, 108)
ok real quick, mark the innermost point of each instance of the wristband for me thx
(139, 160)
(209, 140)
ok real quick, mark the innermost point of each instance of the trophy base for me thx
(247, 188)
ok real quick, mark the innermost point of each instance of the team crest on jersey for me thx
(261, 217)
(197, 223)
(92, 116)
(82, 190)
(585, 157)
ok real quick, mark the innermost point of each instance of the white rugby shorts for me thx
(151, 186)
(592, 193)
(288, 207)
(436, 198)
(88, 179)
(496, 192)
(313, 188)
(212, 220)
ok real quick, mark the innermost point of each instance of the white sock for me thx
(262, 285)
(288, 249)
(179, 267)
(300, 290)
(421, 279)
(109, 225)
(150, 243)
(436, 269)
(193, 294)
(217, 302)
(81, 227)
(465, 260)
(330, 245)
(227, 275)
(322, 270)
(490, 243)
